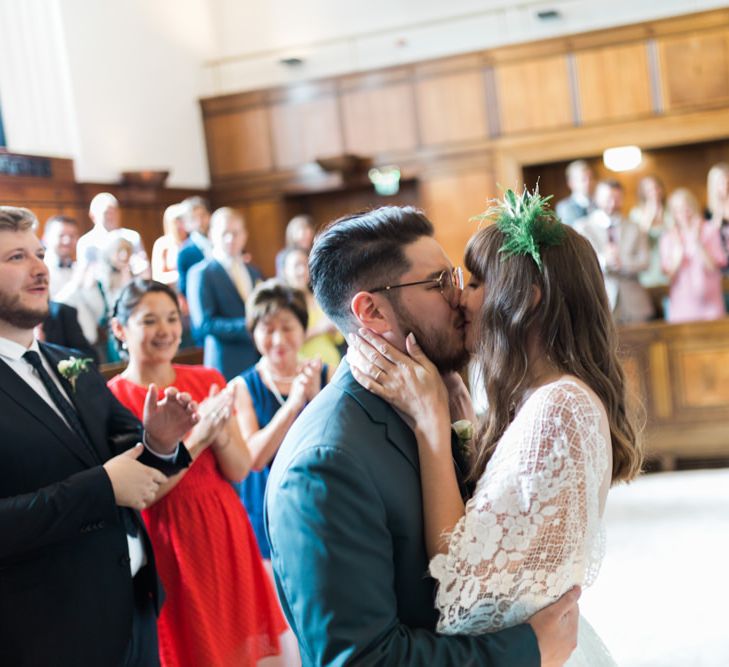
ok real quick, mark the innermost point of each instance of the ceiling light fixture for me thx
(622, 158)
(385, 179)
(548, 15)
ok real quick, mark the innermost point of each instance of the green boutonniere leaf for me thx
(72, 367)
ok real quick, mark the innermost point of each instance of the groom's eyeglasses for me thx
(450, 283)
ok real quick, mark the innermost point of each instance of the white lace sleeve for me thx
(532, 529)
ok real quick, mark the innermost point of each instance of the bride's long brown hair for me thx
(573, 324)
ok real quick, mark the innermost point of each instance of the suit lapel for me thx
(20, 392)
(228, 291)
(398, 432)
(88, 417)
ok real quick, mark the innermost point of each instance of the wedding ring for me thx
(377, 375)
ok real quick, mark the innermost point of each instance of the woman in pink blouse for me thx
(692, 257)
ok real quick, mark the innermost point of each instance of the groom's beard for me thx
(443, 344)
(17, 316)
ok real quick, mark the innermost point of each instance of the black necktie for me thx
(613, 232)
(72, 419)
(65, 408)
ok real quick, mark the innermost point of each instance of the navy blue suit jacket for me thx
(66, 593)
(189, 255)
(218, 315)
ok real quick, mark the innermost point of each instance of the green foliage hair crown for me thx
(527, 223)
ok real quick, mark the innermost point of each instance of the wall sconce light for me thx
(385, 179)
(622, 158)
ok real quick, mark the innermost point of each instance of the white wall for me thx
(35, 90)
(136, 79)
(127, 75)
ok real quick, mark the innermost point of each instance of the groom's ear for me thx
(371, 312)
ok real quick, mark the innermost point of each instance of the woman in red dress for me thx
(220, 609)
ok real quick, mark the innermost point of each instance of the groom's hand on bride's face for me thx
(556, 628)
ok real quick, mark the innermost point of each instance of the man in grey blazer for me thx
(344, 508)
(623, 250)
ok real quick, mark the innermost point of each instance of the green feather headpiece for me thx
(527, 223)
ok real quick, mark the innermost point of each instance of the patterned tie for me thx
(72, 419)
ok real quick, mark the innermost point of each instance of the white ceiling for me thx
(338, 36)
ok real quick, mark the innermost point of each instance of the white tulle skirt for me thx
(590, 651)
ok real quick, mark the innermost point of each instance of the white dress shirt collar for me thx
(581, 200)
(15, 351)
(202, 242)
(226, 261)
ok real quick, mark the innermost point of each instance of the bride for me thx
(556, 435)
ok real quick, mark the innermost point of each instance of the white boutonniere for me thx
(464, 431)
(72, 367)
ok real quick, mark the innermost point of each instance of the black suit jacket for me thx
(61, 327)
(66, 594)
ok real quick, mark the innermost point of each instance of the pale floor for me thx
(662, 596)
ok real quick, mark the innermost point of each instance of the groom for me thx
(78, 584)
(344, 507)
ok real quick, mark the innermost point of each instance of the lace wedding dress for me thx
(533, 527)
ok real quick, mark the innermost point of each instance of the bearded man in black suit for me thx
(78, 584)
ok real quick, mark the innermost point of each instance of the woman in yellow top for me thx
(322, 337)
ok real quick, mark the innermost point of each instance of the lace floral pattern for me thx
(533, 527)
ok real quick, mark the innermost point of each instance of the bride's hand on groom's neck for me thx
(406, 380)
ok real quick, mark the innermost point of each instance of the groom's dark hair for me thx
(362, 251)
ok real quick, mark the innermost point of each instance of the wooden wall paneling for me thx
(660, 381)
(450, 200)
(656, 132)
(537, 127)
(704, 374)
(45, 196)
(305, 130)
(142, 207)
(684, 381)
(45, 205)
(266, 224)
(378, 113)
(534, 94)
(613, 83)
(147, 220)
(681, 24)
(690, 23)
(451, 102)
(327, 206)
(238, 142)
(694, 69)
